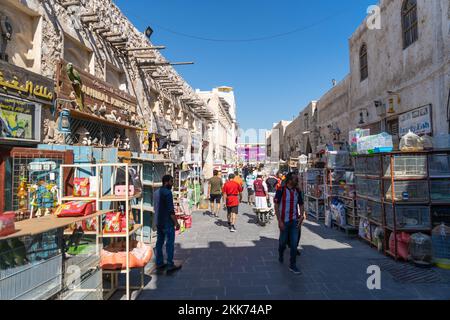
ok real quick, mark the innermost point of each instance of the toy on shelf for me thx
(76, 209)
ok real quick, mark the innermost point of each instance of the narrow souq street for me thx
(219, 265)
(174, 151)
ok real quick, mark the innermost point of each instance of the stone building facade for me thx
(399, 77)
(101, 42)
(222, 135)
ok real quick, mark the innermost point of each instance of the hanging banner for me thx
(418, 121)
(19, 119)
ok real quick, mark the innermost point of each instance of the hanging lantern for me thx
(64, 121)
(391, 105)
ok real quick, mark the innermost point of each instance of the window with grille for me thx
(363, 65)
(409, 23)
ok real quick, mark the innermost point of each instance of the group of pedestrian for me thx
(281, 192)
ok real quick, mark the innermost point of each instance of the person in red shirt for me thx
(231, 191)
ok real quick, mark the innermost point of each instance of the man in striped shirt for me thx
(288, 208)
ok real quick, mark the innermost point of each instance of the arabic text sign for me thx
(25, 84)
(418, 121)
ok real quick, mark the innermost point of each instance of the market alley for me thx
(221, 265)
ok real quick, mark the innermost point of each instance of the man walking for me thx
(272, 183)
(215, 193)
(261, 193)
(167, 223)
(250, 188)
(231, 191)
(288, 205)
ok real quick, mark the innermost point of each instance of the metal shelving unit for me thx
(313, 186)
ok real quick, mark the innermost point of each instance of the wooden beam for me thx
(146, 48)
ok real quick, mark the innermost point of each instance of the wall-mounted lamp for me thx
(391, 101)
(361, 116)
(64, 121)
(380, 107)
(148, 32)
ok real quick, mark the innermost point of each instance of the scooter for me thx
(264, 216)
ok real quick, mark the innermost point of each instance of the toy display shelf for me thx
(31, 227)
(108, 199)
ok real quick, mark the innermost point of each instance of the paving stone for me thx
(221, 265)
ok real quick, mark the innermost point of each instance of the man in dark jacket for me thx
(166, 223)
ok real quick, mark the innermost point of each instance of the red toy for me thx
(81, 187)
(7, 224)
(76, 209)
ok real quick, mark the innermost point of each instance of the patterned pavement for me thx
(219, 265)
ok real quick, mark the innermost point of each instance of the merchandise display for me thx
(76, 209)
(403, 193)
(379, 143)
(411, 142)
(7, 225)
(114, 256)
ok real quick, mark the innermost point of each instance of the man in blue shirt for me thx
(166, 224)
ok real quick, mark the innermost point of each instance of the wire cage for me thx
(407, 191)
(439, 215)
(31, 267)
(440, 190)
(375, 211)
(439, 165)
(32, 167)
(408, 217)
(406, 165)
(420, 249)
(105, 132)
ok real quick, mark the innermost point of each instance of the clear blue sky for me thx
(274, 78)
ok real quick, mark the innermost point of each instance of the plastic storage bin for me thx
(439, 165)
(406, 165)
(408, 217)
(440, 190)
(407, 191)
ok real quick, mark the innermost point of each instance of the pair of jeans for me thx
(165, 234)
(291, 234)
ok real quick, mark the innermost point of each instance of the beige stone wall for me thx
(45, 31)
(418, 73)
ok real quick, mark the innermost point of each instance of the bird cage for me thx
(420, 249)
(441, 246)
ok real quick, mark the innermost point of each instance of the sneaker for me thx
(295, 270)
(232, 229)
(161, 267)
(299, 253)
(173, 268)
(280, 259)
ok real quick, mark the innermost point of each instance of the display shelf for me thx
(106, 176)
(136, 227)
(146, 208)
(408, 189)
(152, 184)
(78, 198)
(90, 117)
(37, 226)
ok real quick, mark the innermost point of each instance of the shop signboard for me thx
(19, 120)
(90, 93)
(21, 83)
(418, 121)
